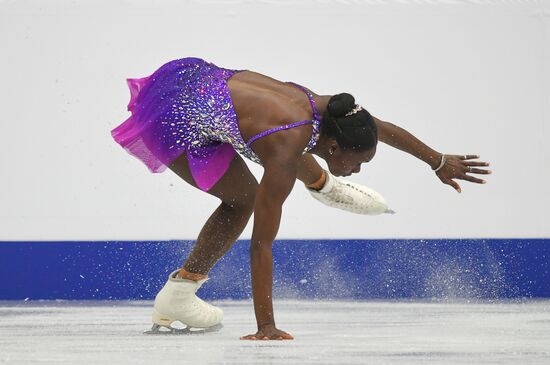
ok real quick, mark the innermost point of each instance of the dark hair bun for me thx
(340, 104)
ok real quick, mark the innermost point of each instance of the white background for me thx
(466, 77)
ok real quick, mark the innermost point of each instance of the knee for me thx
(244, 200)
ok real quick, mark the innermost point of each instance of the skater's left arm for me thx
(454, 166)
(272, 192)
(280, 159)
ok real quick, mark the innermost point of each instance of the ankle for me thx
(184, 274)
(318, 185)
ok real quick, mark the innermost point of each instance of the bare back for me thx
(262, 102)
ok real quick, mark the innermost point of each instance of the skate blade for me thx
(164, 330)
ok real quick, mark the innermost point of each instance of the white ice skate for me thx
(177, 302)
(352, 197)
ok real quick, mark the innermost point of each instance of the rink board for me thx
(303, 269)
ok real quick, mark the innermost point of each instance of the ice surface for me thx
(326, 332)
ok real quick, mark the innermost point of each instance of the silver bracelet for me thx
(443, 159)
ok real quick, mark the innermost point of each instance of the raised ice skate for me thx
(350, 196)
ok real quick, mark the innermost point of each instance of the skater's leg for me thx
(237, 191)
(176, 301)
(219, 233)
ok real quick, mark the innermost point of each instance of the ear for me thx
(333, 146)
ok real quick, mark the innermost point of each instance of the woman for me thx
(192, 116)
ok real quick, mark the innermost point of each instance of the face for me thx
(346, 162)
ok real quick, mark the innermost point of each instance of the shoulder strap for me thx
(276, 129)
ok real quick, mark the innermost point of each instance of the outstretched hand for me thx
(457, 166)
(269, 332)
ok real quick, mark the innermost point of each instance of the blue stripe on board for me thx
(327, 269)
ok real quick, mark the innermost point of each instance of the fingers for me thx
(471, 178)
(286, 336)
(249, 337)
(274, 337)
(479, 171)
(476, 163)
(459, 170)
(468, 164)
(472, 163)
(260, 336)
(468, 167)
(454, 184)
(265, 338)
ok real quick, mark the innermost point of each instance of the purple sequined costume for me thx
(185, 106)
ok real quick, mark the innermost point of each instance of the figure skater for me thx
(197, 119)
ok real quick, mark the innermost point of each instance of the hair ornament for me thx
(354, 110)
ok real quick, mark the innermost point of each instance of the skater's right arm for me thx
(280, 166)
